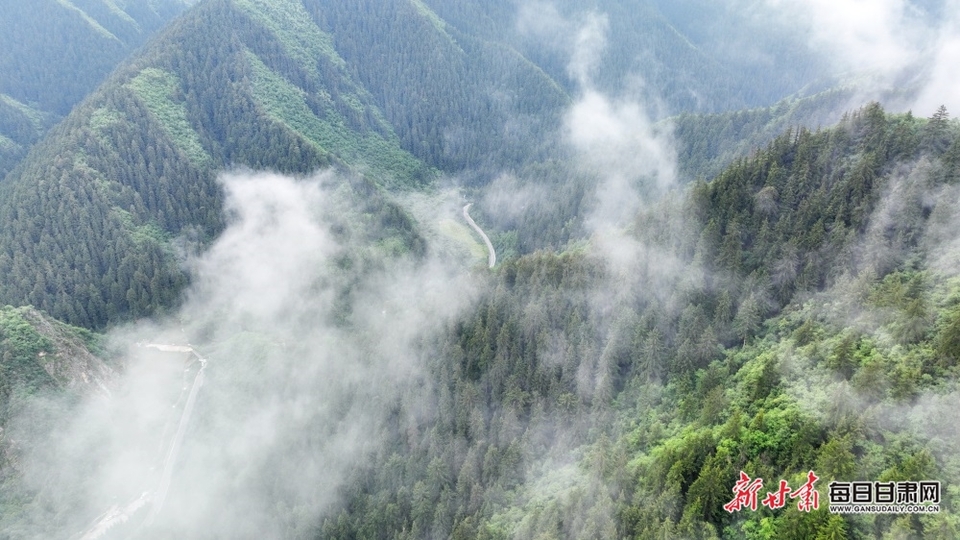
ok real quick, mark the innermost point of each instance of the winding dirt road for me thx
(492, 257)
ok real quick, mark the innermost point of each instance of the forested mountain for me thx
(388, 89)
(822, 302)
(261, 85)
(703, 269)
(52, 54)
(681, 54)
(708, 143)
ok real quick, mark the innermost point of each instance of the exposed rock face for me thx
(70, 364)
(40, 355)
(45, 366)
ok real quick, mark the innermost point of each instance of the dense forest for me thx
(52, 54)
(274, 190)
(753, 366)
(295, 87)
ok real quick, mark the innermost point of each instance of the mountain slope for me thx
(455, 100)
(95, 218)
(39, 353)
(680, 55)
(808, 323)
(46, 367)
(52, 54)
(785, 317)
(245, 83)
(708, 143)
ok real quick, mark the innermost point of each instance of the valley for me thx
(476, 270)
(492, 255)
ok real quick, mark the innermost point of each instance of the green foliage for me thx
(948, 337)
(290, 23)
(768, 372)
(26, 337)
(52, 54)
(20, 127)
(330, 133)
(98, 220)
(157, 90)
(708, 143)
(554, 411)
(21, 342)
(435, 89)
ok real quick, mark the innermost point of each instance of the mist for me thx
(901, 51)
(912, 230)
(615, 140)
(343, 362)
(627, 164)
(309, 335)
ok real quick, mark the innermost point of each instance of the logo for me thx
(885, 497)
(746, 492)
(874, 497)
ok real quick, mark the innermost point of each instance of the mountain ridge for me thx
(788, 303)
(55, 53)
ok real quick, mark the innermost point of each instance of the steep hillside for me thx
(797, 313)
(807, 322)
(636, 346)
(45, 368)
(393, 90)
(41, 354)
(679, 54)
(457, 101)
(708, 143)
(267, 85)
(52, 54)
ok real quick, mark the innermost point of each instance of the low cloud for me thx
(619, 142)
(542, 22)
(591, 40)
(616, 141)
(914, 226)
(898, 44)
(872, 35)
(943, 79)
(628, 164)
(310, 337)
(507, 198)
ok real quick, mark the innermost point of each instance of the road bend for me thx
(492, 255)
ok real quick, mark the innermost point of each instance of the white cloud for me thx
(943, 84)
(305, 361)
(615, 140)
(868, 34)
(895, 42)
(591, 40)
